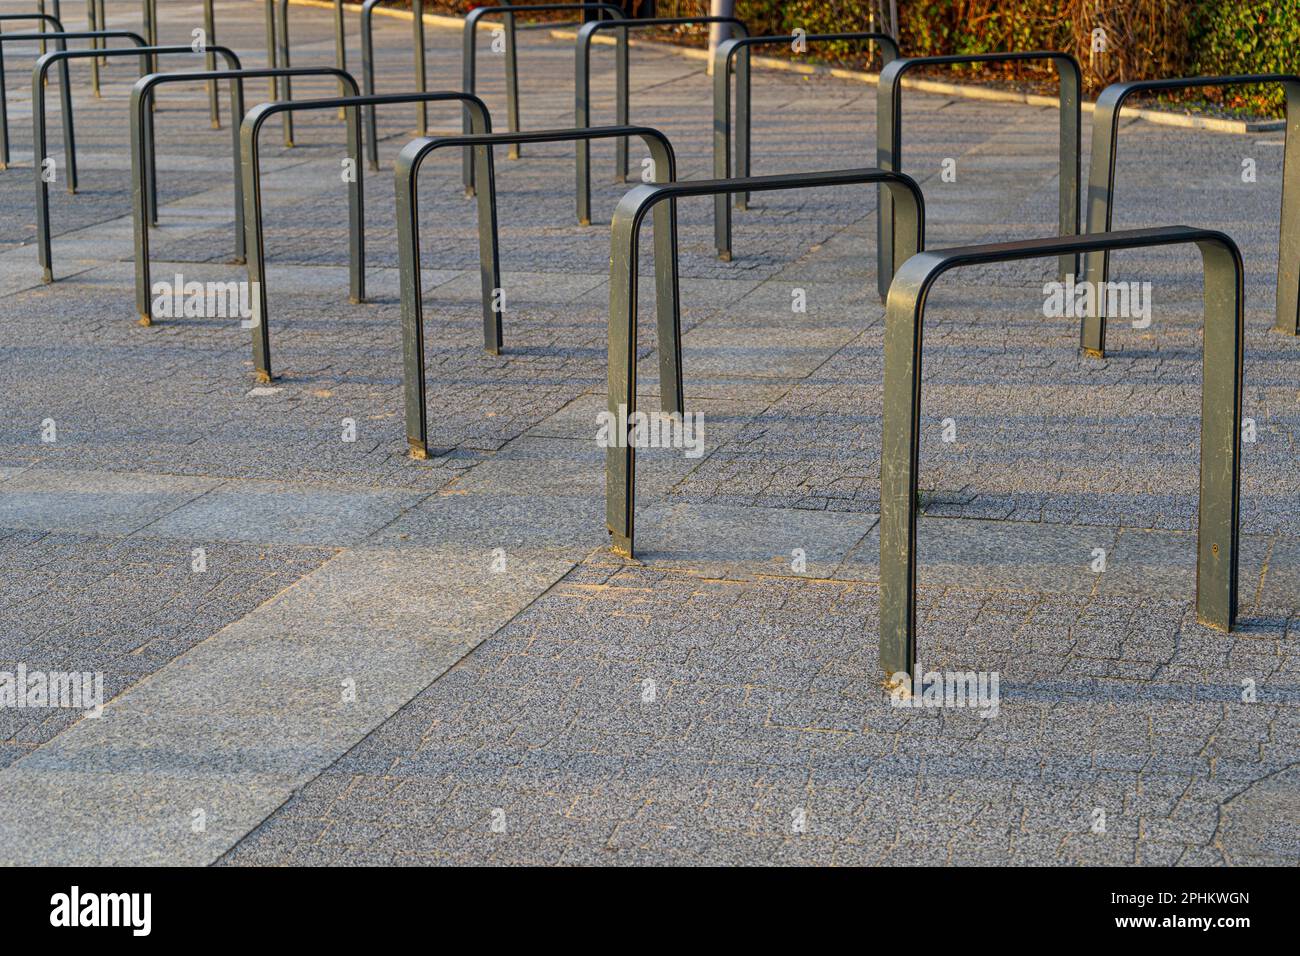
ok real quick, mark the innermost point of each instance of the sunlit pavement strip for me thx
(410, 662)
(231, 728)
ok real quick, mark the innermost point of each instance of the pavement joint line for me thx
(160, 851)
(397, 712)
(221, 483)
(1263, 572)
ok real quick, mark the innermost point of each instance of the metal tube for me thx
(469, 61)
(889, 120)
(421, 70)
(92, 25)
(724, 57)
(65, 83)
(1101, 194)
(1221, 383)
(143, 161)
(39, 73)
(620, 460)
(141, 95)
(582, 91)
(252, 191)
(210, 37)
(408, 167)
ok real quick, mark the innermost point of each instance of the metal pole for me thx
(1218, 525)
(620, 459)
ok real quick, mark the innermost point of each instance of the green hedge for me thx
(1251, 37)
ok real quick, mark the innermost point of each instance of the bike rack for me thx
(95, 20)
(368, 72)
(277, 54)
(469, 57)
(63, 56)
(210, 39)
(409, 163)
(66, 90)
(722, 67)
(620, 462)
(149, 26)
(889, 121)
(1101, 192)
(151, 31)
(356, 197)
(1221, 377)
(95, 17)
(41, 15)
(42, 18)
(142, 146)
(39, 72)
(582, 91)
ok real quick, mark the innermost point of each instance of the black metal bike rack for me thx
(723, 64)
(1101, 193)
(149, 27)
(889, 120)
(620, 461)
(65, 89)
(39, 72)
(144, 189)
(144, 203)
(582, 91)
(251, 170)
(41, 14)
(278, 56)
(469, 57)
(95, 20)
(1218, 525)
(65, 85)
(409, 163)
(368, 72)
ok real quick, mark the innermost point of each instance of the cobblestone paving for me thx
(519, 694)
(766, 704)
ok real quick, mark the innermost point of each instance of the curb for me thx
(1212, 124)
(1163, 117)
(430, 19)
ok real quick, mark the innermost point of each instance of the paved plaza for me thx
(318, 650)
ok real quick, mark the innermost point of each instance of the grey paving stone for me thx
(284, 513)
(94, 502)
(678, 708)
